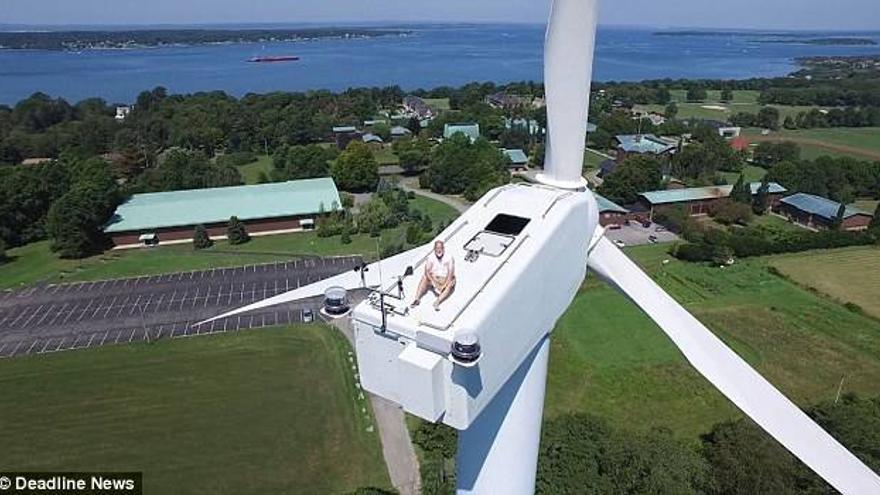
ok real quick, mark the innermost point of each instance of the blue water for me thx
(432, 56)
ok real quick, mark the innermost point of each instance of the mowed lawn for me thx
(272, 411)
(862, 143)
(609, 359)
(36, 262)
(250, 173)
(849, 275)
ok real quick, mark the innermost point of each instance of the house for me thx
(740, 144)
(530, 125)
(416, 107)
(724, 129)
(505, 101)
(642, 144)
(816, 212)
(610, 213)
(171, 217)
(121, 113)
(372, 139)
(700, 200)
(344, 135)
(470, 130)
(400, 132)
(519, 161)
(656, 118)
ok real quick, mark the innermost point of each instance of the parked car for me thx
(308, 315)
(660, 228)
(653, 239)
(620, 243)
(646, 224)
(615, 226)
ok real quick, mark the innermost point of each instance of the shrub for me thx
(731, 212)
(201, 239)
(236, 232)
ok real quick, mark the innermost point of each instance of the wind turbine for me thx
(479, 364)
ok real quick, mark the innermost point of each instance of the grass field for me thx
(441, 104)
(848, 275)
(861, 142)
(751, 173)
(251, 172)
(36, 263)
(608, 359)
(385, 156)
(272, 411)
(592, 160)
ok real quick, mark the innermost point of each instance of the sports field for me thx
(272, 411)
(608, 359)
(849, 275)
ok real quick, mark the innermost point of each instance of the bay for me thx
(430, 56)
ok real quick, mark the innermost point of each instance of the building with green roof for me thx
(264, 208)
(470, 130)
(699, 200)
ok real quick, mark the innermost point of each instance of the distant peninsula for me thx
(769, 37)
(107, 40)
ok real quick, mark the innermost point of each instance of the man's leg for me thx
(445, 293)
(422, 290)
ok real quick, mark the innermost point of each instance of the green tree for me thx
(875, 222)
(726, 95)
(768, 153)
(374, 216)
(697, 93)
(301, 162)
(414, 154)
(636, 175)
(382, 130)
(731, 212)
(356, 169)
(201, 239)
(768, 118)
(837, 222)
(671, 111)
(459, 166)
(345, 237)
(744, 460)
(236, 232)
(742, 191)
(582, 454)
(2, 251)
(761, 202)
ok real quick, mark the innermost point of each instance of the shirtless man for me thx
(439, 276)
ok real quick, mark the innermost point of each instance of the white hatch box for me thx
(447, 364)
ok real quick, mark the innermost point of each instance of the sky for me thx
(742, 14)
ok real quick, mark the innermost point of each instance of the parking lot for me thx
(59, 317)
(635, 234)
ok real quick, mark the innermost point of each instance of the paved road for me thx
(410, 184)
(397, 447)
(51, 318)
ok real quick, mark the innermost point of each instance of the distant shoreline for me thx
(76, 41)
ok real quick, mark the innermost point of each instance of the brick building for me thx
(699, 200)
(155, 218)
(816, 212)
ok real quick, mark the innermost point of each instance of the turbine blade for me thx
(568, 67)
(730, 374)
(390, 267)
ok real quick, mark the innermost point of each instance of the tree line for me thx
(584, 454)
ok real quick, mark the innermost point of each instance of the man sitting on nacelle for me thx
(439, 276)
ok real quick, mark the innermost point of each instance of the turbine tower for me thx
(479, 363)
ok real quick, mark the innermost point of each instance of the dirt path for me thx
(839, 148)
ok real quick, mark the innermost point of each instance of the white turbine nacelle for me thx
(520, 256)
